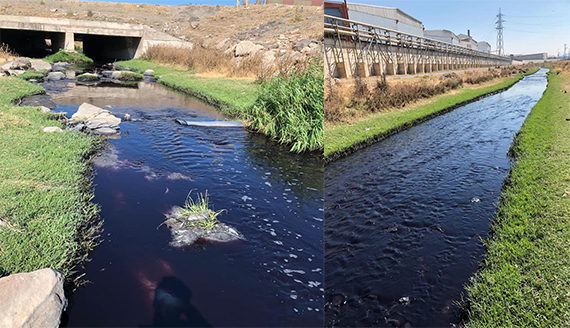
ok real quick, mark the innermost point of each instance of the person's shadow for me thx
(172, 307)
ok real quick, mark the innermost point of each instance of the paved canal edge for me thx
(438, 111)
(523, 277)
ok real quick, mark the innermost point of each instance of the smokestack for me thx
(468, 33)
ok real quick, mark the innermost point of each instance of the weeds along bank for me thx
(47, 217)
(359, 114)
(282, 99)
(523, 280)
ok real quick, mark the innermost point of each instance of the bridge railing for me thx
(354, 31)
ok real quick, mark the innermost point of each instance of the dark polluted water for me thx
(404, 217)
(274, 198)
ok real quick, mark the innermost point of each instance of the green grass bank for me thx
(230, 96)
(343, 140)
(45, 188)
(524, 277)
(288, 110)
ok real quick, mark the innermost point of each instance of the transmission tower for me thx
(499, 28)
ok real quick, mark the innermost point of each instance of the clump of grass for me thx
(87, 77)
(130, 76)
(200, 207)
(89, 13)
(31, 75)
(70, 57)
(290, 109)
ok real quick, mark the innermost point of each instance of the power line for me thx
(499, 27)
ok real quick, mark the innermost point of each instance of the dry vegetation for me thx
(6, 53)
(347, 102)
(208, 61)
(213, 23)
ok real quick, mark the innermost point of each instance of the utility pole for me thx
(499, 28)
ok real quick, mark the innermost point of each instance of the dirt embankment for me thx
(201, 24)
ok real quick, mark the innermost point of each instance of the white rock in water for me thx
(55, 76)
(39, 64)
(52, 129)
(89, 112)
(34, 299)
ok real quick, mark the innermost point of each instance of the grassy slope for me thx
(231, 96)
(525, 276)
(343, 139)
(44, 187)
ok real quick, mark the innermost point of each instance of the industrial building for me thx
(529, 57)
(442, 35)
(484, 46)
(465, 40)
(391, 18)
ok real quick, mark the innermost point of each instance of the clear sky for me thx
(531, 26)
(177, 2)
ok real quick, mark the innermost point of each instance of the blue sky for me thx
(532, 26)
(177, 2)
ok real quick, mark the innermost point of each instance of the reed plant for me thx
(290, 109)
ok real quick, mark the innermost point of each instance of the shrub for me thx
(290, 109)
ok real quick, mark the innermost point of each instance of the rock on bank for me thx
(29, 300)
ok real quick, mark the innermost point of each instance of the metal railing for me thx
(366, 37)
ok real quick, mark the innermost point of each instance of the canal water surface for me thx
(404, 217)
(273, 197)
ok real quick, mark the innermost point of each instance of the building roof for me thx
(440, 33)
(388, 12)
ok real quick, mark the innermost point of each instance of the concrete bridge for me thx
(358, 49)
(31, 36)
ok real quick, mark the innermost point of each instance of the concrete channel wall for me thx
(116, 40)
(358, 49)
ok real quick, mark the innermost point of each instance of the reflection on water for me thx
(403, 226)
(273, 197)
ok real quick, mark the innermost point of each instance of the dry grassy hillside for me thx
(196, 23)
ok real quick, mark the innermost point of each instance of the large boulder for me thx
(24, 63)
(40, 65)
(55, 76)
(96, 120)
(246, 48)
(10, 65)
(34, 299)
(61, 66)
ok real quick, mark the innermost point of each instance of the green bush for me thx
(70, 57)
(290, 109)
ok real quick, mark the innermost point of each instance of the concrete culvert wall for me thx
(32, 43)
(102, 47)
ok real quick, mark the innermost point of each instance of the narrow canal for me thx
(273, 197)
(404, 217)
